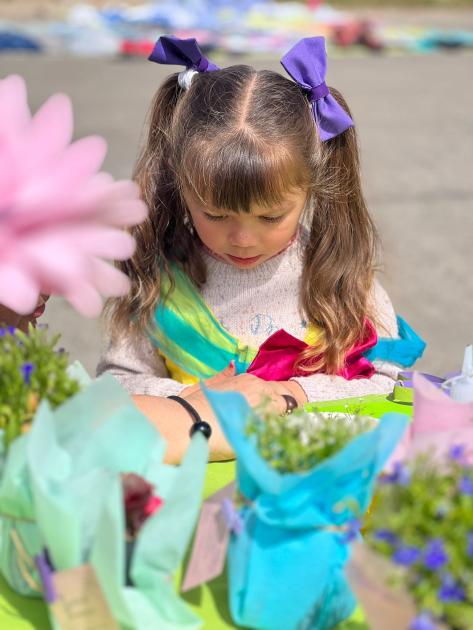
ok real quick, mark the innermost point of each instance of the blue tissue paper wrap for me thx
(286, 567)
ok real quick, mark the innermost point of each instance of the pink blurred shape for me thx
(438, 424)
(61, 220)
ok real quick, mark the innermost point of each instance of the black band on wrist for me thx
(198, 425)
(188, 407)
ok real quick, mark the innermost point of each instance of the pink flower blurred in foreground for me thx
(61, 220)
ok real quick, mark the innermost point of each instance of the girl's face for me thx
(10, 318)
(245, 240)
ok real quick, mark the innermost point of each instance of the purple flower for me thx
(466, 486)
(435, 556)
(457, 453)
(470, 545)
(399, 474)
(406, 555)
(386, 535)
(352, 531)
(423, 622)
(27, 369)
(450, 591)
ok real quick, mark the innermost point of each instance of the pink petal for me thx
(18, 290)
(50, 193)
(108, 280)
(14, 112)
(104, 242)
(115, 203)
(84, 157)
(8, 180)
(125, 213)
(85, 299)
(50, 132)
(42, 258)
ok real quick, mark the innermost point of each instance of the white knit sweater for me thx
(252, 304)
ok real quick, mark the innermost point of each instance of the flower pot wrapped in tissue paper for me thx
(416, 568)
(286, 562)
(79, 504)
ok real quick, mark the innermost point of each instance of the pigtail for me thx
(339, 259)
(166, 235)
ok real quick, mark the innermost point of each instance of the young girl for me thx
(255, 266)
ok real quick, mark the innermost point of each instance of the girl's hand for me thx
(297, 391)
(254, 389)
(228, 371)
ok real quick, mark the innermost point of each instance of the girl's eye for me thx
(215, 217)
(272, 219)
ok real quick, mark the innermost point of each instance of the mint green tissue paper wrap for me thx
(159, 548)
(75, 455)
(20, 539)
(61, 489)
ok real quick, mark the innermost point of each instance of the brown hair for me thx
(240, 137)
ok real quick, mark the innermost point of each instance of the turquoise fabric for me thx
(404, 351)
(199, 346)
(285, 568)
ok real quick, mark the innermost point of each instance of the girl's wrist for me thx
(198, 424)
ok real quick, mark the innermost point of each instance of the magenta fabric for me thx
(277, 357)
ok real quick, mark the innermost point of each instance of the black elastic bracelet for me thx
(197, 423)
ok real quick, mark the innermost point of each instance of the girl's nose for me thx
(242, 236)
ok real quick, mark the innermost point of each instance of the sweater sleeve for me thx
(320, 387)
(138, 367)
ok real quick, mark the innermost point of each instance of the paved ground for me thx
(415, 122)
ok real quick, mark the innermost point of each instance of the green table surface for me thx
(209, 601)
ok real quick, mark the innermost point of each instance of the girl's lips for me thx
(243, 261)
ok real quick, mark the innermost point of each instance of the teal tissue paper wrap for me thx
(286, 567)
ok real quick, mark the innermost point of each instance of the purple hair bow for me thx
(306, 62)
(181, 52)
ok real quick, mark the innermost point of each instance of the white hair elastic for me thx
(185, 78)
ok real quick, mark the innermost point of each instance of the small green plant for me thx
(303, 439)
(423, 522)
(31, 369)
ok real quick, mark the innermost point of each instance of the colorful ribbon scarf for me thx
(196, 346)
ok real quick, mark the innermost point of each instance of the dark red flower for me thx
(139, 501)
